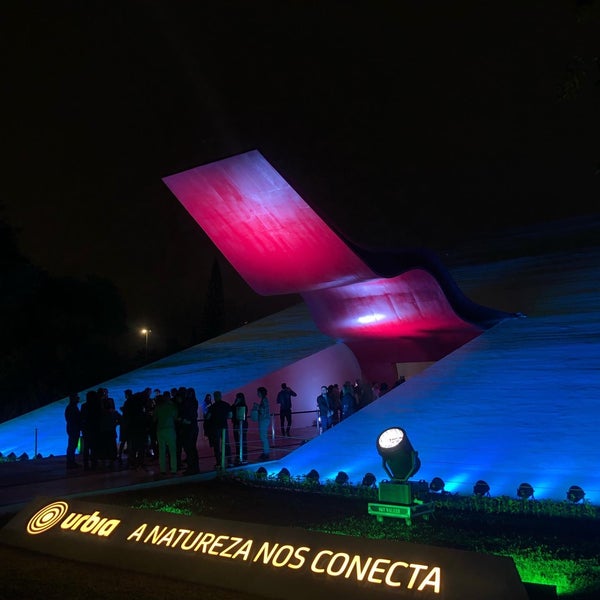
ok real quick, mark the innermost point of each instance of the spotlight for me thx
(313, 476)
(342, 478)
(437, 485)
(525, 490)
(283, 475)
(369, 480)
(261, 473)
(400, 460)
(575, 494)
(481, 488)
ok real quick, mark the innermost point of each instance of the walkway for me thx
(21, 481)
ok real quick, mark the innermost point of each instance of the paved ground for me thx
(21, 481)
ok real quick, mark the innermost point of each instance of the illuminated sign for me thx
(277, 562)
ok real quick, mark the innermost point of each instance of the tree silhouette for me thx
(58, 333)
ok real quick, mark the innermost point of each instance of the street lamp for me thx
(146, 333)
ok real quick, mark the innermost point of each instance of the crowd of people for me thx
(150, 425)
(334, 404)
(164, 425)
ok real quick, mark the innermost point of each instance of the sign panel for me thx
(274, 562)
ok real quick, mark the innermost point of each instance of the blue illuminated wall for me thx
(518, 403)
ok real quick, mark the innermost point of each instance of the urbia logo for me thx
(54, 513)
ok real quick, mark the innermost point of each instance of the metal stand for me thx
(401, 500)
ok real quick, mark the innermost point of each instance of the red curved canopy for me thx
(279, 245)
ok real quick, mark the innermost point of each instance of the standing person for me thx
(284, 399)
(333, 391)
(123, 434)
(110, 418)
(134, 417)
(188, 416)
(264, 419)
(73, 419)
(220, 414)
(325, 410)
(210, 433)
(239, 421)
(177, 396)
(206, 403)
(364, 393)
(348, 400)
(165, 416)
(91, 413)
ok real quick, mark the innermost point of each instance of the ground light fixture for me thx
(481, 488)
(400, 460)
(312, 476)
(575, 494)
(284, 475)
(525, 491)
(400, 498)
(342, 478)
(369, 480)
(437, 485)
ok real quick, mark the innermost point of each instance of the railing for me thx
(280, 445)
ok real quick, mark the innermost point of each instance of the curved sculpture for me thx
(387, 306)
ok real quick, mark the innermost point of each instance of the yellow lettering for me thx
(433, 578)
(265, 550)
(108, 527)
(188, 546)
(244, 551)
(355, 565)
(138, 533)
(417, 569)
(181, 532)
(205, 540)
(226, 553)
(166, 537)
(91, 522)
(214, 547)
(155, 534)
(340, 556)
(298, 554)
(313, 567)
(388, 578)
(377, 569)
(71, 521)
(286, 551)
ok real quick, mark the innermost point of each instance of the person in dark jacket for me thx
(284, 399)
(220, 414)
(73, 419)
(325, 410)
(188, 418)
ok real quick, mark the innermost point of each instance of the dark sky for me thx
(401, 123)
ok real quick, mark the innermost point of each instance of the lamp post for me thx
(146, 333)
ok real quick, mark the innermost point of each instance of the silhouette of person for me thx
(220, 413)
(325, 410)
(284, 399)
(91, 414)
(264, 419)
(348, 400)
(165, 416)
(188, 418)
(208, 423)
(73, 419)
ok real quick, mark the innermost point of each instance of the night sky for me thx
(401, 123)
